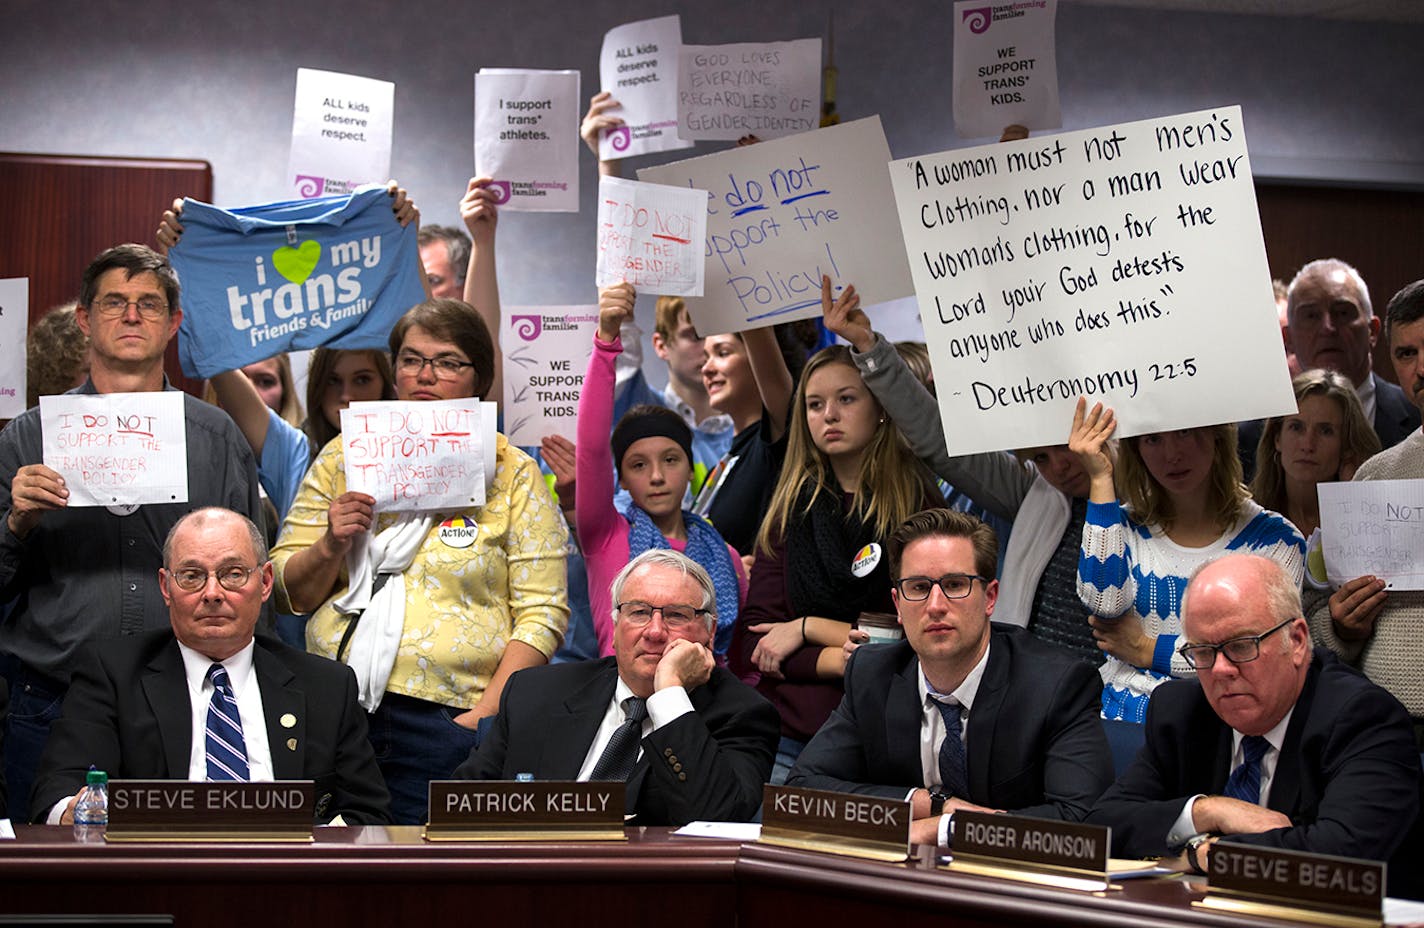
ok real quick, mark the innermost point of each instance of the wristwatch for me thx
(937, 800)
(1193, 844)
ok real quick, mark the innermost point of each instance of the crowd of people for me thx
(703, 572)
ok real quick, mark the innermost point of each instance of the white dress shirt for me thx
(663, 707)
(1185, 826)
(933, 731)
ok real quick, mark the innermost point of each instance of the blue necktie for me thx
(1245, 781)
(227, 753)
(953, 760)
(622, 752)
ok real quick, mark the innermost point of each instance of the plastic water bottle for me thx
(91, 812)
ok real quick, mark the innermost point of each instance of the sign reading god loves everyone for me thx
(1124, 264)
(341, 133)
(335, 271)
(782, 213)
(416, 456)
(117, 449)
(764, 89)
(638, 66)
(546, 352)
(651, 236)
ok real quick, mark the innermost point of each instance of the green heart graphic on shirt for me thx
(297, 264)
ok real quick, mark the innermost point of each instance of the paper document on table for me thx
(733, 831)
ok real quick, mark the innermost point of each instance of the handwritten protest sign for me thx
(1374, 528)
(1124, 264)
(1005, 66)
(416, 456)
(526, 137)
(545, 356)
(651, 236)
(764, 89)
(638, 66)
(782, 213)
(14, 317)
(117, 449)
(341, 133)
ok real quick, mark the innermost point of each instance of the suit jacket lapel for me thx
(165, 686)
(903, 712)
(282, 701)
(988, 704)
(1285, 782)
(569, 734)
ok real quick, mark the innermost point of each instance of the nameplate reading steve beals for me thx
(840, 823)
(507, 810)
(1267, 881)
(176, 810)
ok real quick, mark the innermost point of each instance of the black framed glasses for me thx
(1241, 650)
(445, 367)
(674, 617)
(953, 586)
(113, 306)
(231, 578)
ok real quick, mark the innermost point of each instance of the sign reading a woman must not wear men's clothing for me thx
(335, 272)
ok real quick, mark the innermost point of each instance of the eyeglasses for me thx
(674, 617)
(1241, 650)
(194, 579)
(953, 586)
(114, 306)
(446, 368)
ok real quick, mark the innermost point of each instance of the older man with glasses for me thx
(1274, 744)
(691, 741)
(963, 714)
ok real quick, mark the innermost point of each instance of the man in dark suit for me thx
(1331, 324)
(962, 714)
(697, 744)
(1272, 744)
(144, 707)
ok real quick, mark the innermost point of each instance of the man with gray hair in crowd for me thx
(692, 741)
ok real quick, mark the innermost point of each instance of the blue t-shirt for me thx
(285, 457)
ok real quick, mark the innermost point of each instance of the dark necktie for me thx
(227, 753)
(1245, 781)
(622, 751)
(953, 760)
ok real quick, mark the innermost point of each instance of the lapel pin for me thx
(289, 720)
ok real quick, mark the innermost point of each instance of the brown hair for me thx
(1149, 504)
(56, 353)
(948, 523)
(1358, 441)
(665, 316)
(319, 370)
(457, 322)
(134, 260)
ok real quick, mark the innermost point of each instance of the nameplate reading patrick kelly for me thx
(518, 810)
(174, 810)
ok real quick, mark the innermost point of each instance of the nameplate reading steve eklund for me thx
(511, 810)
(175, 810)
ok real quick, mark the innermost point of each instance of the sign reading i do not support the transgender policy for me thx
(1124, 264)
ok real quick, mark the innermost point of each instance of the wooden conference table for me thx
(371, 876)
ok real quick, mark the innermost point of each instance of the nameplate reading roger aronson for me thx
(509, 810)
(839, 823)
(174, 810)
(1033, 845)
(1267, 881)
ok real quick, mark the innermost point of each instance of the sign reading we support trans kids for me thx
(546, 352)
(638, 66)
(651, 236)
(526, 137)
(341, 133)
(767, 89)
(1005, 66)
(782, 213)
(117, 449)
(1124, 264)
(14, 316)
(336, 271)
(416, 456)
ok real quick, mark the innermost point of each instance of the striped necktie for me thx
(1245, 781)
(953, 759)
(227, 753)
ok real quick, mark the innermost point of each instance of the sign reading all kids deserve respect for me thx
(651, 236)
(1124, 264)
(526, 137)
(416, 456)
(117, 449)
(783, 213)
(335, 271)
(638, 66)
(546, 352)
(341, 133)
(14, 317)
(1005, 66)
(764, 89)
